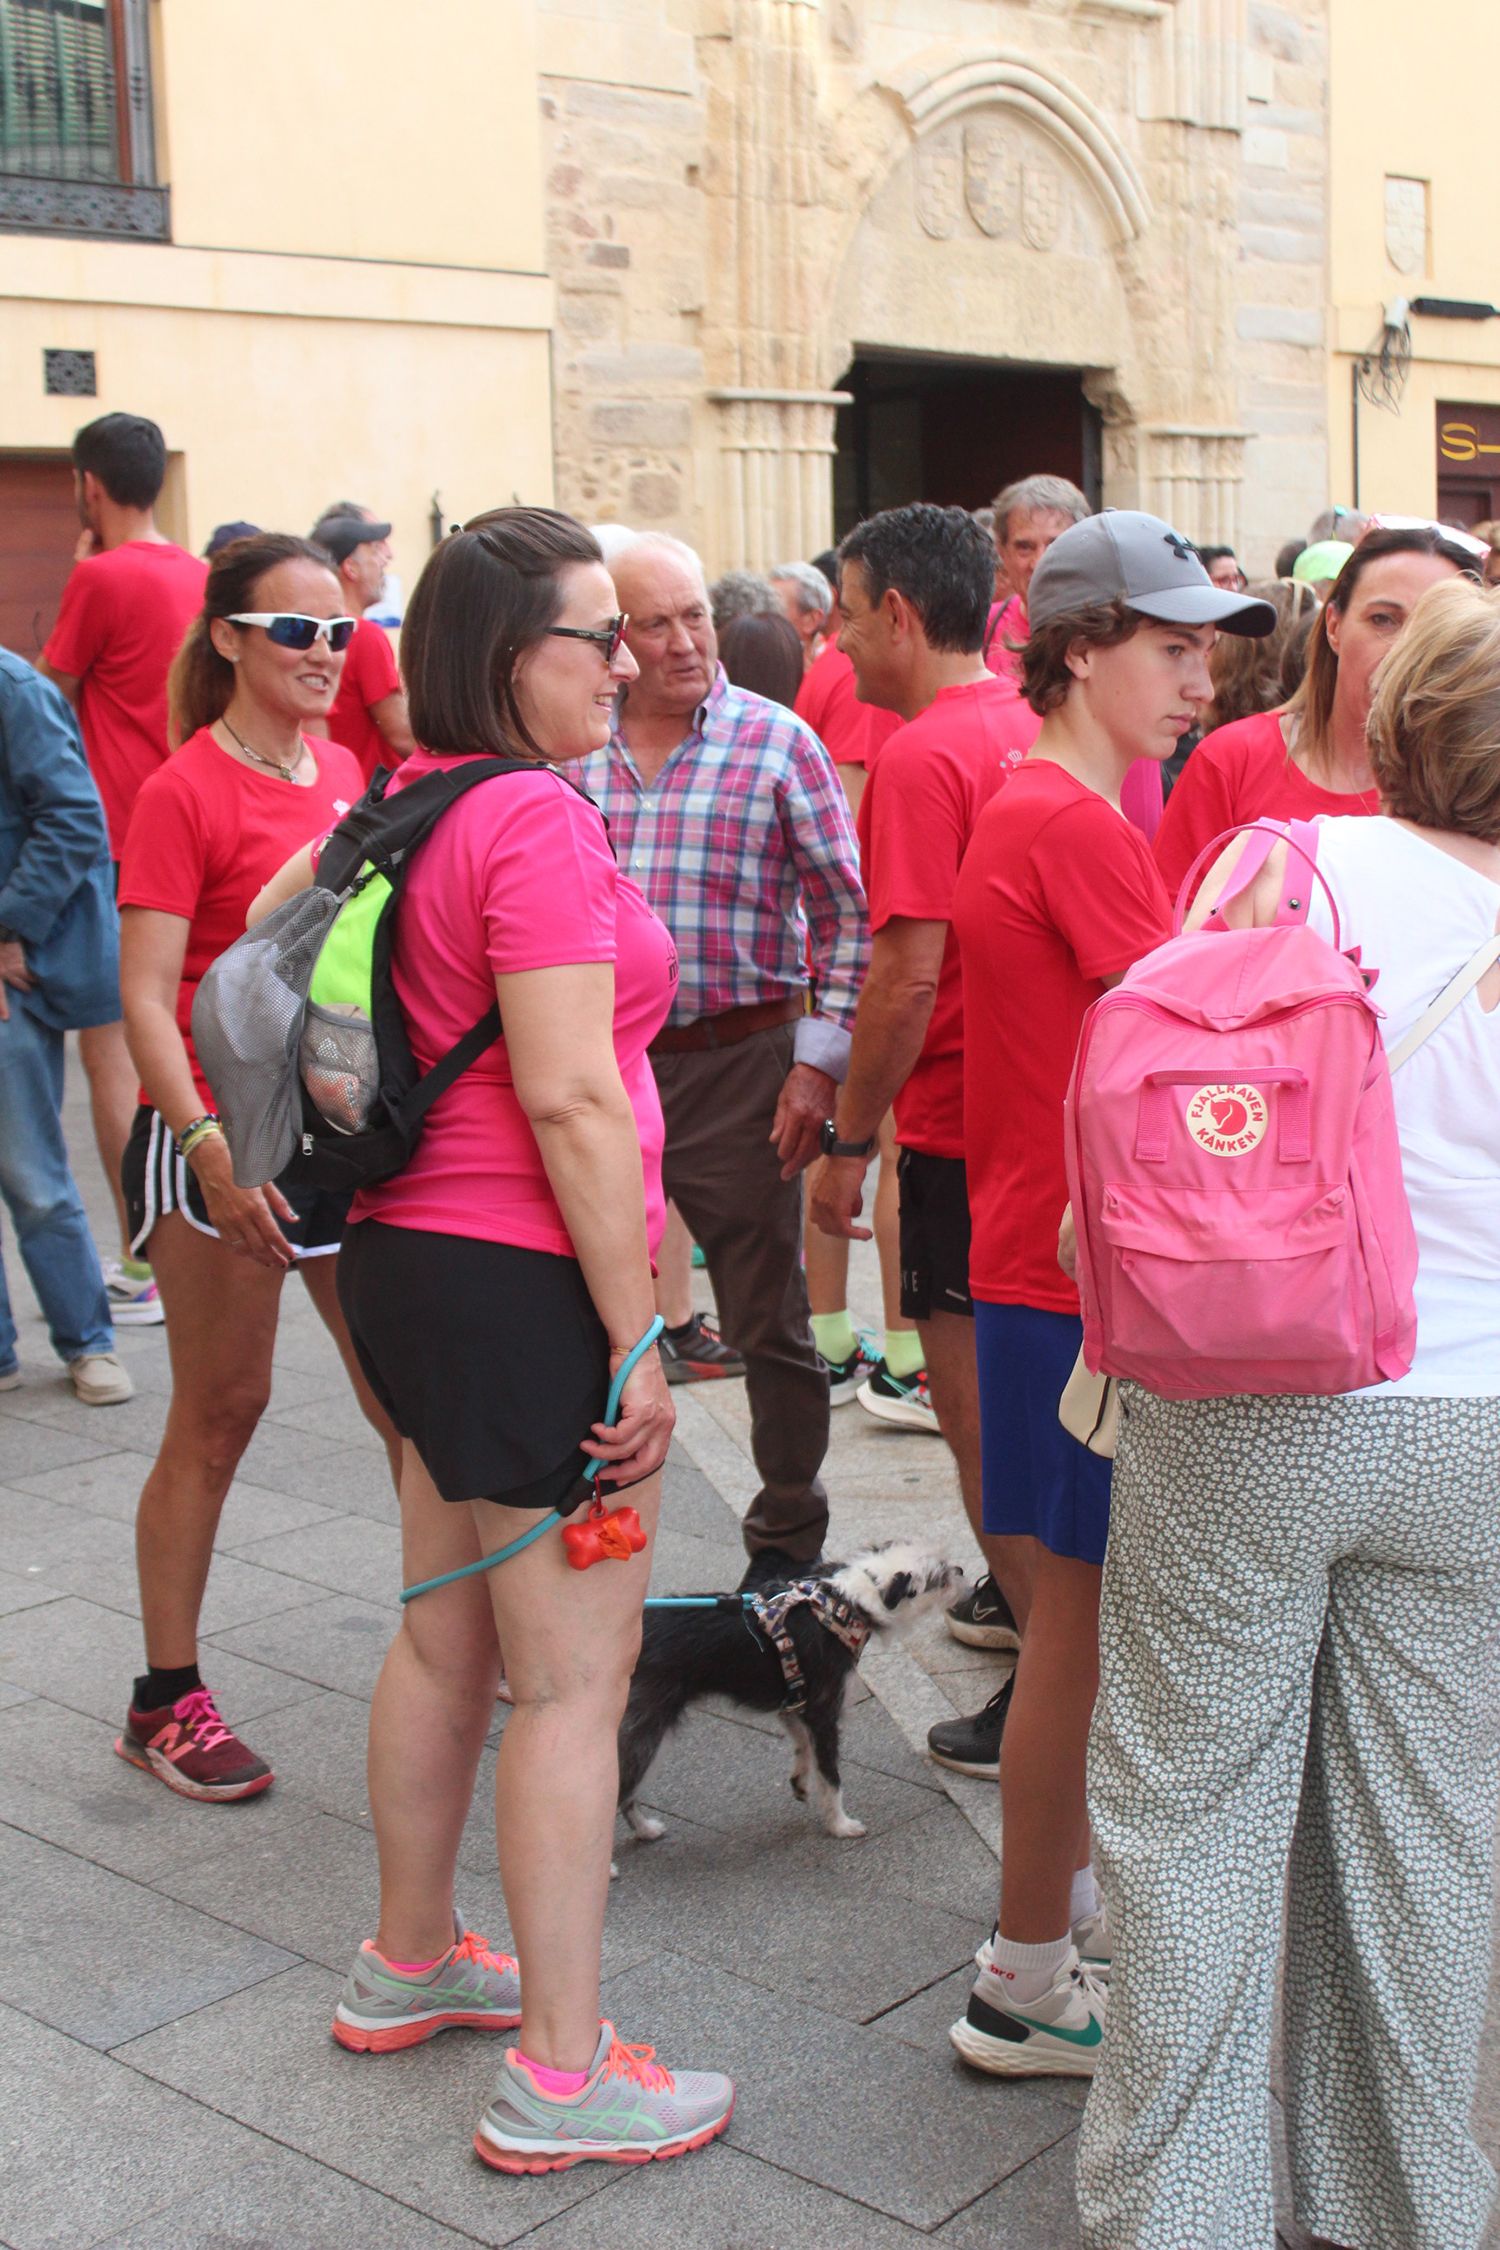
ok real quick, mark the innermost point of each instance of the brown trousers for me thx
(723, 1174)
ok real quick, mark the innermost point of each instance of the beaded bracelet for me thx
(198, 1130)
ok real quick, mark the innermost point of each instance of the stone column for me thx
(1193, 477)
(768, 268)
(776, 484)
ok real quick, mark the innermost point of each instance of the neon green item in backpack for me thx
(342, 975)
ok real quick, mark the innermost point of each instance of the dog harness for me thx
(833, 1613)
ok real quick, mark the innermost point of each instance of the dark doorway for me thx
(954, 431)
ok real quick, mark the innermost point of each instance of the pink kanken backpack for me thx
(1233, 1161)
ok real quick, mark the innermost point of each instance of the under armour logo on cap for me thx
(1182, 548)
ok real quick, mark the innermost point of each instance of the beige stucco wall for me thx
(741, 191)
(1413, 103)
(354, 301)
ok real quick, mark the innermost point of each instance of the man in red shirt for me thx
(124, 611)
(369, 711)
(915, 586)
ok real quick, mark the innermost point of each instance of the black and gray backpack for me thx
(298, 1026)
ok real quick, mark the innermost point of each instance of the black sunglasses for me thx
(288, 630)
(606, 637)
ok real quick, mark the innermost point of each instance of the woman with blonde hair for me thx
(252, 781)
(1310, 757)
(1299, 1645)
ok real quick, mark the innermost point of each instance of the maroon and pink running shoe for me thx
(187, 1745)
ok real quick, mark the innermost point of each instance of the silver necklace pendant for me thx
(271, 765)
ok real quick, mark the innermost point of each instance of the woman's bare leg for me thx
(571, 1640)
(221, 1330)
(1042, 1755)
(433, 1705)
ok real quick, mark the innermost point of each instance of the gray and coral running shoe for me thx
(628, 2110)
(382, 2008)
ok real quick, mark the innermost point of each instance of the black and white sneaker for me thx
(697, 1353)
(981, 1618)
(973, 1745)
(846, 1375)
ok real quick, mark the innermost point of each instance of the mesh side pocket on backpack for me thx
(247, 1022)
(339, 1064)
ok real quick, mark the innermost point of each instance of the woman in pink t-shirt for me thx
(492, 1289)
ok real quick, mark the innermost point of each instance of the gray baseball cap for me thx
(1122, 555)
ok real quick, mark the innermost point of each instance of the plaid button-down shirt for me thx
(744, 846)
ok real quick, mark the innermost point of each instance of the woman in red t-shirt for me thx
(1056, 897)
(247, 785)
(1310, 757)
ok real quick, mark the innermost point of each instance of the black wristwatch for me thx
(831, 1145)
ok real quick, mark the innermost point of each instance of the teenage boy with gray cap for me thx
(369, 711)
(1057, 896)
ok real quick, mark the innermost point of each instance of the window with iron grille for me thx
(77, 146)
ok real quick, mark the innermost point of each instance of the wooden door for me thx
(38, 531)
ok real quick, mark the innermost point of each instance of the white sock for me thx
(1026, 1971)
(1085, 1899)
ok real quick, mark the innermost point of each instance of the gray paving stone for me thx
(63, 1782)
(85, 1657)
(935, 1860)
(28, 1446)
(337, 1643)
(148, 1959)
(25, 1593)
(873, 2121)
(111, 1486)
(310, 1885)
(63, 2187)
(9, 1696)
(95, 1558)
(690, 1503)
(722, 2199)
(136, 1423)
(402, 2124)
(1035, 2209)
(788, 1927)
(738, 1779)
(346, 1478)
(286, 2202)
(348, 1553)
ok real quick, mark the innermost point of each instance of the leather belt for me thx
(728, 1028)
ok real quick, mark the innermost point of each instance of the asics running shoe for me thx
(627, 2111)
(1056, 2035)
(907, 1402)
(382, 2008)
(187, 1745)
(133, 1302)
(1091, 1942)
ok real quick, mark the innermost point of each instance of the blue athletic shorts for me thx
(1038, 1481)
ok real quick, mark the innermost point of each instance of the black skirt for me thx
(491, 1360)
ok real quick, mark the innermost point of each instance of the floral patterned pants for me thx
(1298, 1708)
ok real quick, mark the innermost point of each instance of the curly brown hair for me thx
(1045, 677)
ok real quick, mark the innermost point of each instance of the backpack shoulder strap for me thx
(1301, 840)
(381, 828)
(450, 1069)
(1456, 990)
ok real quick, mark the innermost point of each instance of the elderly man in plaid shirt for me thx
(727, 812)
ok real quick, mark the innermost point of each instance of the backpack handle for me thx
(1298, 835)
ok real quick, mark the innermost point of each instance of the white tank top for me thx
(1417, 915)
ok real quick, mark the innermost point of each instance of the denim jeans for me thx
(45, 1207)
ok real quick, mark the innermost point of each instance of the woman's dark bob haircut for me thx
(486, 596)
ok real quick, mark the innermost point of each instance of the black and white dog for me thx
(793, 1651)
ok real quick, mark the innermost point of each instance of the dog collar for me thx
(833, 1613)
